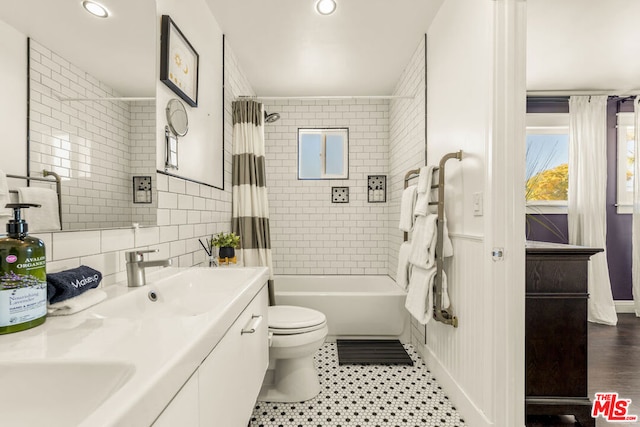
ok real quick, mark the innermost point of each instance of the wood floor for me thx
(614, 366)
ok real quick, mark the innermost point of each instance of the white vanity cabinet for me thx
(183, 409)
(222, 392)
(231, 376)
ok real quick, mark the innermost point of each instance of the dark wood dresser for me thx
(556, 330)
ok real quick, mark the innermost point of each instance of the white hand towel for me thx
(424, 192)
(424, 240)
(407, 206)
(5, 213)
(419, 300)
(402, 274)
(44, 218)
(76, 304)
(425, 178)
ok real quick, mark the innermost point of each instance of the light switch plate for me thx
(477, 204)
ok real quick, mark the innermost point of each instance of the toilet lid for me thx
(287, 319)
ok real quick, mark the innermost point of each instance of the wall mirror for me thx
(177, 117)
(92, 114)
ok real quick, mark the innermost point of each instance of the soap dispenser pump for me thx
(23, 278)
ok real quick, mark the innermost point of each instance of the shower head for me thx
(270, 118)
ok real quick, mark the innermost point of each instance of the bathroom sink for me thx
(57, 393)
(190, 292)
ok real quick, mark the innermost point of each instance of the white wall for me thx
(481, 363)
(200, 151)
(13, 102)
(406, 142)
(309, 233)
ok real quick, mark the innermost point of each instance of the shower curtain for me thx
(635, 236)
(250, 211)
(587, 197)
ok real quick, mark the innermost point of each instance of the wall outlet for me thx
(477, 204)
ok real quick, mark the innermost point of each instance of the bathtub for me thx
(355, 306)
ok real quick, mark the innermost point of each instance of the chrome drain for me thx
(153, 295)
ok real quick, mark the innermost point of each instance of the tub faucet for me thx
(136, 266)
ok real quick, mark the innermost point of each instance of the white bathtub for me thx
(355, 306)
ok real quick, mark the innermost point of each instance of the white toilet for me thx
(297, 333)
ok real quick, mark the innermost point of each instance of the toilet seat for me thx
(290, 320)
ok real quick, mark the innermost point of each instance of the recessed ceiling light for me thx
(95, 9)
(326, 7)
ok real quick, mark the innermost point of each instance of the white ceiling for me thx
(120, 50)
(287, 49)
(583, 45)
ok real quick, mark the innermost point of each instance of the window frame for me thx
(547, 123)
(344, 131)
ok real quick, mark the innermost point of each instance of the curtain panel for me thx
(250, 211)
(587, 197)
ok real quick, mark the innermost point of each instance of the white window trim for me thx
(547, 123)
(323, 166)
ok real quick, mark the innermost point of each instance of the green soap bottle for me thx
(23, 276)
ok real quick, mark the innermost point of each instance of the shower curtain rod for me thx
(585, 92)
(273, 98)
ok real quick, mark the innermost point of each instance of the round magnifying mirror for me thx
(177, 117)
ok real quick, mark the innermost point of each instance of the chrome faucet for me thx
(136, 266)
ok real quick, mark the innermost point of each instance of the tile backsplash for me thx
(309, 233)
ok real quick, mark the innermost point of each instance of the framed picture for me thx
(178, 62)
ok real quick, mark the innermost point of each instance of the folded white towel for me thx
(407, 206)
(424, 239)
(402, 274)
(419, 300)
(425, 181)
(44, 218)
(425, 178)
(76, 304)
(5, 213)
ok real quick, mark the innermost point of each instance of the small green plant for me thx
(225, 240)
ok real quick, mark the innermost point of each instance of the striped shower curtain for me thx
(250, 215)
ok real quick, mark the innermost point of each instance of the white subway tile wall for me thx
(309, 234)
(186, 211)
(406, 152)
(95, 146)
(142, 136)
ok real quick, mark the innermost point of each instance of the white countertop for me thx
(164, 351)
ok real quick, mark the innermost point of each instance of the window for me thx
(626, 158)
(547, 171)
(323, 153)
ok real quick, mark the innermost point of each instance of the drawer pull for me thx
(252, 326)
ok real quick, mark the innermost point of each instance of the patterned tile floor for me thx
(363, 396)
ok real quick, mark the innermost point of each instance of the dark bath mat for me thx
(372, 352)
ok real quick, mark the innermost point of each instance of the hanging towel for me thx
(407, 206)
(419, 300)
(71, 283)
(424, 240)
(5, 213)
(78, 303)
(402, 275)
(424, 191)
(44, 218)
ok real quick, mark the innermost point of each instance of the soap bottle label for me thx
(23, 290)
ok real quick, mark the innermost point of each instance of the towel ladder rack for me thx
(441, 314)
(45, 173)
